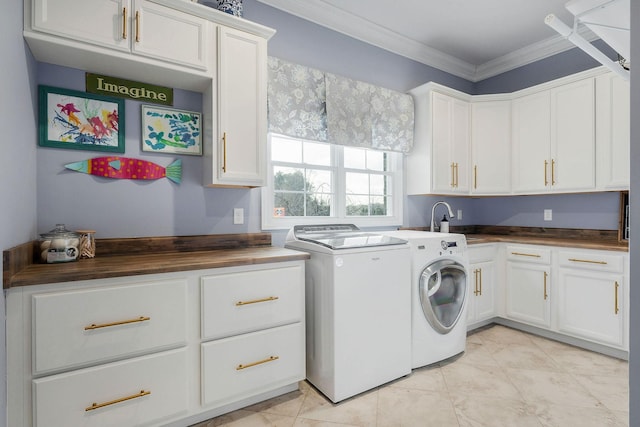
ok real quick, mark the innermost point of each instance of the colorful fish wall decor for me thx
(127, 168)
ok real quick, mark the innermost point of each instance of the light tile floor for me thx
(505, 378)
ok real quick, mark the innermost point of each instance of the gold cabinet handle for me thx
(475, 274)
(95, 406)
(546, 181)
(588, 261)
(224, 152)
(455, 167)
(616, 308)
(453, 175)
(259, 362)
(475, 177)
(137, 26)
(480, 291)
(553, 172)
(523, 254)
(239, 303)
(545, 285)
(124, 23)
(122, 322)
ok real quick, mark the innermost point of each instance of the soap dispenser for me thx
(444, 224)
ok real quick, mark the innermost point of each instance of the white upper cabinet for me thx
(450, 137)
(531, 143)
(564, 136)
(138, 26)
(238, 156)
(163, 33)
(439, 160)
(554, 139)
(612, 132)
(491, 147)
(573, 136)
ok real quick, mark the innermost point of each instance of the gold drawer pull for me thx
(113, 402)
(616, 309)
(521, 254)
(588, 261)
(257, 301)
(122, 322)
(259, 362)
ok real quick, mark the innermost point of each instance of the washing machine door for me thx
(443, 289)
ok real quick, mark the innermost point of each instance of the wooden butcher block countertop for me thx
(136, 256)
(606, 240)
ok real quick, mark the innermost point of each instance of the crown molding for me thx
(358, 28)
(366, 31)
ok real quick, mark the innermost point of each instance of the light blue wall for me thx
(133, 208)
(18, 159)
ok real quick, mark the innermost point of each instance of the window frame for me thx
(269, 222)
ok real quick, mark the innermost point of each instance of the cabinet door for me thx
(573, 137)
(590, 305)
(531, 143)
(483, 291)
(101, 22)
(528, 289)
(450, 139)
(163, 33)
(491, 147)
(242, 110)
(612, 132)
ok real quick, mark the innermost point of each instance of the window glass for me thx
(312, 182)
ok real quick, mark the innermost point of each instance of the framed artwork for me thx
(78, 120)
(168, 130)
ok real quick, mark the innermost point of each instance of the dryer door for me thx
(443, 290)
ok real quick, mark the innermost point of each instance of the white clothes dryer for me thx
(440, 293)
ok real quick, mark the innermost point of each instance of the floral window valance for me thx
(307, 103)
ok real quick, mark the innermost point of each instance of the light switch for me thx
(548, 214)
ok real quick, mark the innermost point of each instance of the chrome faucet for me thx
(433, 212)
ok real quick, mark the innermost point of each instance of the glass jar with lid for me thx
(59, 245)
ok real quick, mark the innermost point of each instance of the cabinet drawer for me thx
(248, 301)
(482, 253)
(592, 261)
(530, 254)
(128, 393)
(76, 328)
(241, 366)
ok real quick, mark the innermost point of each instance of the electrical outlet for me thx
(459, 214)
(548, 215)
(238, 215)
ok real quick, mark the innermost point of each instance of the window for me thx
(314, 183)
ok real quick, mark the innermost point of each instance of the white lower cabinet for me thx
(139, 352)
(528, 285)
(259, 315)
(591, 297)
(129, 393)
(578, 293)
(483, 280)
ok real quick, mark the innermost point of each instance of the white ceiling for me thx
(473, 39)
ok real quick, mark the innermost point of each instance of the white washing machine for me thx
(358, 299)
(440, 293)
